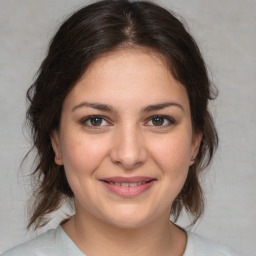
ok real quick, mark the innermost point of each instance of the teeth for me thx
(133, 184)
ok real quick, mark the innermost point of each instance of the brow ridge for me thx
(155, 107)
(99, 106)
(108, 108)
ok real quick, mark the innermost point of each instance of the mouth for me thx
(128, 187)
(133, 184)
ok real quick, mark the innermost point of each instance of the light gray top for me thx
(56, 242)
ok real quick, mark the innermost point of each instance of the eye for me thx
(94, 121)
(161, 121)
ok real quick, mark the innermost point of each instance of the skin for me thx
(129, 142)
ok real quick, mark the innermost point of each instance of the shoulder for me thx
(42, 245)
(197, 245)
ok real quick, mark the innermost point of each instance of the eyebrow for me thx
(99, 106)
(160, 106)
(108, 108)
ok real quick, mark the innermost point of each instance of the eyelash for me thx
(84, 121)
(169, 119)
(90, 118)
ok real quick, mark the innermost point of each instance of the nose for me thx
(128, 149)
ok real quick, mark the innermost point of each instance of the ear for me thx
(196, 142)
(55, 140)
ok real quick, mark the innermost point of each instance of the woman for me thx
(120, 122)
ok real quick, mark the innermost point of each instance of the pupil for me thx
(158, 121)
(96, 121)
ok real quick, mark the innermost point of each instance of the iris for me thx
(96, 121)
(158, 120)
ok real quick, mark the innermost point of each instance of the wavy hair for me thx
(93, 30)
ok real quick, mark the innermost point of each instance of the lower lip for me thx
(128, 191)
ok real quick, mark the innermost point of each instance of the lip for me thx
(128, 191)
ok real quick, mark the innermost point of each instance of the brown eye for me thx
(95, 121)
(158, 120)
(161, 121)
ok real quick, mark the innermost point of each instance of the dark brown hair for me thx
(96, 29)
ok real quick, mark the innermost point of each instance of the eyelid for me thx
(87, 118)
(170, 119)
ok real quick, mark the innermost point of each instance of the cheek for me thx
(172, 153)
(82, 155)
(172, 156)
(81, 158)
(169, 155)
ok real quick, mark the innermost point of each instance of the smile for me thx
(134, 184)
(128, 187)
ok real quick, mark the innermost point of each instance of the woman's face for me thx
(126, 139)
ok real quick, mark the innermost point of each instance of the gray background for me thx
(226, 32)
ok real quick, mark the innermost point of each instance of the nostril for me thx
(128, 154)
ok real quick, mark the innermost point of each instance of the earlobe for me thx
(55, 140)
(195, 147)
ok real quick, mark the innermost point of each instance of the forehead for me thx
(129, 75)
(122, 59)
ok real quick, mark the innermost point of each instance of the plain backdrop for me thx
(226, 33)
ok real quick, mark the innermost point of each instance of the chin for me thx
(131, 221)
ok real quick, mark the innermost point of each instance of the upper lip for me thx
(136, 179)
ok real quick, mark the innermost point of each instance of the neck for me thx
(95, 237)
